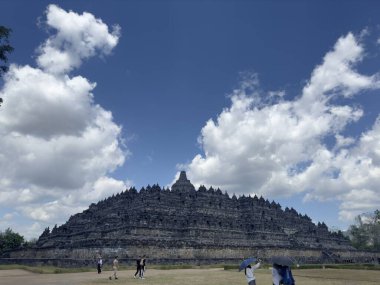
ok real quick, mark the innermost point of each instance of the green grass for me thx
(231, 267)
(353, 266)
(56, 270)
(45, 269)
(185, 266)
(227, 277)
(198, 276)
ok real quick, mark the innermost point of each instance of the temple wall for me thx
(187, 255)
(192, 226)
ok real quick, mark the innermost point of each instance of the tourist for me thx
(276, 277)
(249, 273)
(142, 267)
(282, 275)
(100, 264)
(138, 267)
(115, 267)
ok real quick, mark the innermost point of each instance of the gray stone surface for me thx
(185, 223)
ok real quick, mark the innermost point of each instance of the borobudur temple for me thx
(189, 225)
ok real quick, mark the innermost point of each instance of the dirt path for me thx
(194, 276)
(22, 277)
(157, 277)
(216, 276)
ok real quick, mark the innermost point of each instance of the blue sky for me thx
(275, 98)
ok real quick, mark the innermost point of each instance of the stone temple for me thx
(194, 226)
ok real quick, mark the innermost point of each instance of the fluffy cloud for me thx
(77, 37)
(57, 145)
(278, 148)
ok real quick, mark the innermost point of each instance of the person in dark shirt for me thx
(138, 268)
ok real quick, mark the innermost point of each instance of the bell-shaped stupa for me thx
(183, 184)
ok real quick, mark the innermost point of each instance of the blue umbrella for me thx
(246, 262)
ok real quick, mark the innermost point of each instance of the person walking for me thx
(282, 275)
(276, 276)
(142, 267)
(115, 267)
(249, 273)
(138, 267)
(100, 264)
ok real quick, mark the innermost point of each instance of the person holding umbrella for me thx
(249, 270)
(281, 271)
(276, 276)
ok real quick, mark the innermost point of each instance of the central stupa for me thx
(183, 184)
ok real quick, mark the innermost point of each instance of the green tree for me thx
(30, 243)
(5, 48)
(10, 240)
(365, 233)
(376, 230)
(358, 234)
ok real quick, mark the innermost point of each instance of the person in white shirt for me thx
(276, 277)
(249, 273)
(115, 267)
(100, 264)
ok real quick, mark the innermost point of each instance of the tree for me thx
(365, 233)
(376, 230)
(30, 243)
(10, 240)
(358, 234)
(5, 48)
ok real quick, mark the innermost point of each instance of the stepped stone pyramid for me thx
(183, 222)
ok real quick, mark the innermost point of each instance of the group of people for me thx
(115, 266)
(281, 275)
(140, 267)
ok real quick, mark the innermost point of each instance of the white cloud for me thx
(336, 74)
(342, 141)
(356, 201)
(57, 145)
(277, 148)
(27, 229)
(7, 216)
(40, 97)
(105, 187)
(77, 37)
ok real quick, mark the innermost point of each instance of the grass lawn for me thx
(219, 276)
(10, 275)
